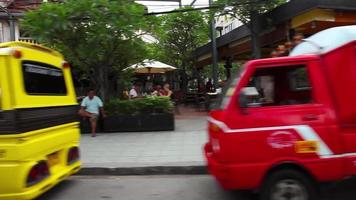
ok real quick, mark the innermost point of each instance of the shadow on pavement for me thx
(58, 190)
(344, 190)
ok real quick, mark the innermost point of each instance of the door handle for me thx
(310, 117)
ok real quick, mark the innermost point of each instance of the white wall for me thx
(227, 23)
(5, 31)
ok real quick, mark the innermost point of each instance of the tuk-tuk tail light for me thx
(38, 172)
(73, 155)
(214, 129)
(65, 65)
(16, 53)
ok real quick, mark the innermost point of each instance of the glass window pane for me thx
(43, 79)
(288, 85)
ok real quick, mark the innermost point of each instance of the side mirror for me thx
(248, 97)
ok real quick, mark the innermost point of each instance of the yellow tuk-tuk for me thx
(39, 132)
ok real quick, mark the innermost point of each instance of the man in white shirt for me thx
(133, 92)
(90, 107)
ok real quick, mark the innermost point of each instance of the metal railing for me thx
(27, 39)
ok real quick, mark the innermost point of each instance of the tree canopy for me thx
(98, 37)
(179, 34)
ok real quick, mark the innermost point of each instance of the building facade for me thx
(225, 24)
(278, 27)
(10, 13)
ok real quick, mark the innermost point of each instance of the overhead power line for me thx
(179, 1)
(214, 6)
(161, 0)
(170, 5)
(193, 2)
(184, 10)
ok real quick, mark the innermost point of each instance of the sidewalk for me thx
(182, 147)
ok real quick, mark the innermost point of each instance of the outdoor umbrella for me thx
(151, 67)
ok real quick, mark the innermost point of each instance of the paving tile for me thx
(147, 159)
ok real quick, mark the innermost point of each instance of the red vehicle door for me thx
(289, 118)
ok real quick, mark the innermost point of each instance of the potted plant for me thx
(142, 114)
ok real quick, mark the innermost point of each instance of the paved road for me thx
(140, 188)
(197, 187)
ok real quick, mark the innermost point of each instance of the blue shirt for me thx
(92, 105)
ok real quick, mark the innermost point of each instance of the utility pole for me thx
(254, 28)
(214, 53)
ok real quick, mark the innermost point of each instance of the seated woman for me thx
(156, 91)
(166, 91)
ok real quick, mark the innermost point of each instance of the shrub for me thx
(139, 106)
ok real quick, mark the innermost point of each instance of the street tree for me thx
(98, 37)
(248, 11)
(179, 34)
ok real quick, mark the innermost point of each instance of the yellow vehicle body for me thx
(38, 125)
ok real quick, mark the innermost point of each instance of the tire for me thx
(288, 184)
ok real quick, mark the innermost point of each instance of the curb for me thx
(154, 170)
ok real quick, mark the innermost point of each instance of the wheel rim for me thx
(289, 189)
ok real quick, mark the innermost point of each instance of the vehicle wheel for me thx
(288, 185)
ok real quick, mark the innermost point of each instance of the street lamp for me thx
(11, 23)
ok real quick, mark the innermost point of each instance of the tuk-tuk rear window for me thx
(43, 79)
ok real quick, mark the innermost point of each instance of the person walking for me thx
(90, 107)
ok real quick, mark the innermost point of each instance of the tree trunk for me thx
(255, 39)
(103, 82)
(184, 78)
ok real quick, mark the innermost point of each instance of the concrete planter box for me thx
(131, 123)
(141, 122)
